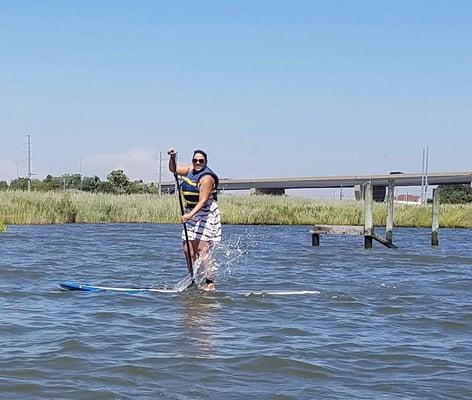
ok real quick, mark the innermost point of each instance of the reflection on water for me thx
(199, 314)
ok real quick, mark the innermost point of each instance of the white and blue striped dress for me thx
(206, 224)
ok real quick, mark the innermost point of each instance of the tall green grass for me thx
(291, 211)
(17, 207)
(48, 208)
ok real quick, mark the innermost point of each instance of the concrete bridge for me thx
(279, 185)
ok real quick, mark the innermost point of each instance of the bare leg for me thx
(204, 253)
(201, 249)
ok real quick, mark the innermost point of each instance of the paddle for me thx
(189, 279)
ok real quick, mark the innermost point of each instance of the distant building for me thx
(408, 199)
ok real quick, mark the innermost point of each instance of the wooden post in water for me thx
(390, 202)
(435, 228)
(315, 239)
(368, 216)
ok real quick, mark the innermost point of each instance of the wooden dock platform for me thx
(368, 229)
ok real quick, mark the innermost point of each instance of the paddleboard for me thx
(91, 288)
(281, 292)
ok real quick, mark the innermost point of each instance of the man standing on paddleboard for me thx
(201, 215)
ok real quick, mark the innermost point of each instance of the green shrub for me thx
(455, 194)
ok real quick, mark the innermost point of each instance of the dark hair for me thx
(202, 153)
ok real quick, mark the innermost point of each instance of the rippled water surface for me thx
(386, 324)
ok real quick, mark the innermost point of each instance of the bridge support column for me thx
(378, 192)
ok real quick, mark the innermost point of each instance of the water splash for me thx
(227, 257)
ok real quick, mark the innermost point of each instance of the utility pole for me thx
(160, 173)
(422, 176)
(80, 173)
(29, 163)
(426, 176)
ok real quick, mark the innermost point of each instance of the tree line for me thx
(117, 182)
(455, 194)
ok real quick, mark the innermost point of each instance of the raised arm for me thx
(181, 170)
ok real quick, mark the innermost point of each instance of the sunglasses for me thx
(198, 160)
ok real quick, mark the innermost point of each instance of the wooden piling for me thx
(435, 227)
(390, 203)
(368, 216)
(315, 239)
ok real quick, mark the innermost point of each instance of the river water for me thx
(380, 324)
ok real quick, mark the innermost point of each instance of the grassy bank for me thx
(291, 211)
(53, 207)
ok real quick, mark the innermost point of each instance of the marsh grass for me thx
(53, 207)
(294, 211)
(17, 207)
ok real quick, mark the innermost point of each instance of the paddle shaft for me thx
(189, 253)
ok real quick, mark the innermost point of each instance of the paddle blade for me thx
(184, 284)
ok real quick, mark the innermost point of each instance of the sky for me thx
(267, 88)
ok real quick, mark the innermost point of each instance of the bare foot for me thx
(210, 287)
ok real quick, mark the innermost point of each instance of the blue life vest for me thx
(191, 186)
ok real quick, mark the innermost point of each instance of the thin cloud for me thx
(136, 163)
(9, 171)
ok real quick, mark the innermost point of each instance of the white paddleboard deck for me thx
(73, 286)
